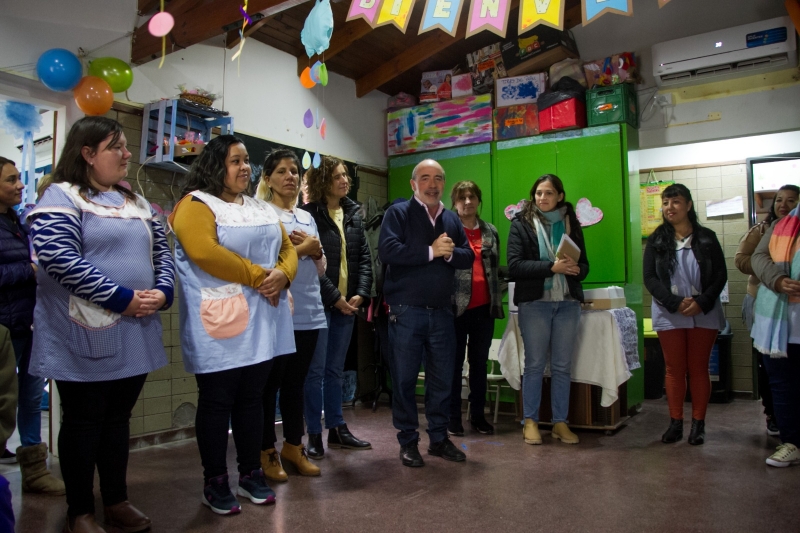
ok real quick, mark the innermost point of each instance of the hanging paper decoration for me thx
(59, 69)
(318, 28)
(323, 129)
(364, 9)
(23, 120)
(323, 75)
(442, 14)
(308, 118)
(397, 12)
(306, 160)
(535, 12)
(315, 72)
(305, 78)
(587, 214)
(489, 15)
(593, 9)
(317, 160)
(662, 3)
(159, 26)
(245, 21)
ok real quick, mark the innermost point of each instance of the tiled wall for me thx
(372, 185)
(717, 183)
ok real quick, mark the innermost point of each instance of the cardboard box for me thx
(462, 85)
(515, 121)
(436, 86)
(486, 65)
(537, 50)
(566, 115)
(519, 89)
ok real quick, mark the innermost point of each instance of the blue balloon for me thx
(318, 28)
(59, 69)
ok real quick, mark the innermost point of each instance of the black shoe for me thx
(314, 449)
(674, 432)
(446, 450)
(340, 437)
(409, 455)
(772, 428)
(8, 458)
(697, 435)
(455, 428)
(481, 426)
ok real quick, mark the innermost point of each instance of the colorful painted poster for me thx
(516, 121)
(489, 15)
(548, 12)
(442, 14)
(457, 122)
(365, 9)
(397, 12)
(594, 9)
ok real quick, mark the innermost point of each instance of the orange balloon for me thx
(93, 95)
(305, 78)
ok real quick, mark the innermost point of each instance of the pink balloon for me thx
(161, 24)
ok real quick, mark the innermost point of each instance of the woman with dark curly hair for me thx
(234, 260)
(344, 287)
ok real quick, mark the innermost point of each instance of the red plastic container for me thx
(566, 115)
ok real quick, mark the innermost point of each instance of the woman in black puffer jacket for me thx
(345, 287)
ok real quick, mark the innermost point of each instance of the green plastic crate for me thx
(615, 103)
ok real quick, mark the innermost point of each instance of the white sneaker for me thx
(786, 455)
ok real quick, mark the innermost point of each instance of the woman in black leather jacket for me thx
(345, 286)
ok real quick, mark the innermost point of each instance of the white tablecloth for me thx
(599, 357)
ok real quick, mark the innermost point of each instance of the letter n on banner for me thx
(397, 12)
(489, 15)
(365, 9)
(594, 9)
(442, 14)
(535, 12)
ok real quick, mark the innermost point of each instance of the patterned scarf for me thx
(771, 325)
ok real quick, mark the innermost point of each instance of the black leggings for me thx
(230, 397)
(95, 430)
(288, 375)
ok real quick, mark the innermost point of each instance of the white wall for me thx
(749, 114)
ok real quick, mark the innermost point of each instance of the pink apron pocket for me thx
(224, 312)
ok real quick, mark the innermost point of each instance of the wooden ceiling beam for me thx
(233, 39)
(342, 38)
(195, 22)
(145, 7)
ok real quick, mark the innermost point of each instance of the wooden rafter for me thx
(145, 7)
(195, 22)
(342, 38)
(233, 38)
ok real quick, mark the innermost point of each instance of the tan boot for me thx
(271, 465)
(35, 475)
(562, 432)
(296, 456)
(84, 523)
(531, 432)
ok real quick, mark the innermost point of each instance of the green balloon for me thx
(115, 72)
(323, 74)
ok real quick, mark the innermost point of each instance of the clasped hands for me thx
(443, 246)
(272, 285)
(566, 265)
(145, 303)
(788, 286)
(306, 244)
(689, 307)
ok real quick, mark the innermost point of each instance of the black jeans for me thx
(288, 375)
(784, 379)
(474, 329)
(763, 386)
(230, 397)
(95, 430)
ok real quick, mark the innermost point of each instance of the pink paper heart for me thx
(512, 210)
(587, 215)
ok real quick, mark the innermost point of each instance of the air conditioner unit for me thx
(723, 54)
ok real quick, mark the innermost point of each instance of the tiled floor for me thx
(625, 482)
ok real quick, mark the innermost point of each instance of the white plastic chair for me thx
(496, 380)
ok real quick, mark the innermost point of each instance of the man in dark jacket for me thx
(422, 244)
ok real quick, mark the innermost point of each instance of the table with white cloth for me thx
(606, 350)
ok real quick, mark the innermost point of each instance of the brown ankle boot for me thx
(126, 517)
(84, 523)
(296, 456)
(35, 475)
(271, 465)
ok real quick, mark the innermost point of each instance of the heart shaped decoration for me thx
(512, 210)
(587, 215)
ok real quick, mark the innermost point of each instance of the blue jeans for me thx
(421, 337)
(324, 380)
(31, 389)
(548, 328)
(784, 377)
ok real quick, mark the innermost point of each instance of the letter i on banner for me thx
(535, 12)
(594, 9)
(442, 14)
(489, 15)
(397, 12)
(365, 9)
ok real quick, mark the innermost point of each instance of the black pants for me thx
(288, 375)
(230, 397)
(763, 386)
(95, 430)
(474, 331)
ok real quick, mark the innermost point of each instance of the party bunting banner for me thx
(397, 12)
(593, 9)
(662, 3)
(365, 9)
(442, 14)
(547, 12)
(489, 15)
